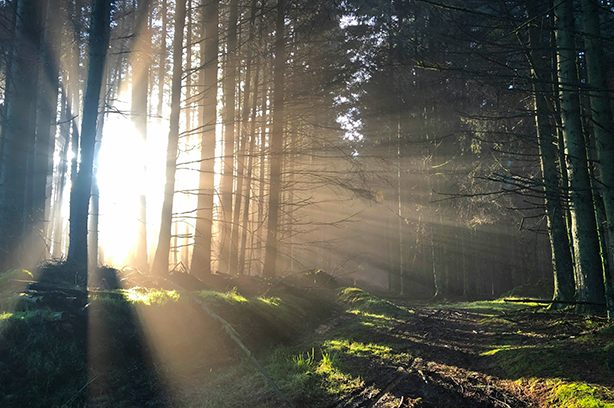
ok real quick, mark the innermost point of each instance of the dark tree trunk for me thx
(45, 135)
(588, 273)
(20, 131)
(557, 227)
(81, 190)
(603, 126)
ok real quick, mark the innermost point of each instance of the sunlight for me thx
(122, 179)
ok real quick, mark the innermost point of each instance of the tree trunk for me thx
(201, 256)
(243, 141)
(276, 147)
(601, 115)
(160, 264)
(45, 136)
(189, 128)
(250, 172)
(588, 272)
(81, 190)
(58, 219)
(230, 73)
(266, 102)
(555, 214)
(162, 67)
(140, 79)
(20, 131)
(93, 241)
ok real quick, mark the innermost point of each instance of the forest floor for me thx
(323, 347)
(377, 353)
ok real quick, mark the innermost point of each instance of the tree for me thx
(81, 190)
(226, 183)
(201, 257)
(140, 79)
(588, 271)
(161, 258)
(603, 128)
(557, 228)
(19, 135)
(277, 136)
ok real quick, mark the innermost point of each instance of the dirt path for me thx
(448, 363)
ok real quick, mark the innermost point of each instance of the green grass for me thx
(315, 370)
(489, 307)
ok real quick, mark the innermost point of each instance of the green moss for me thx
(360, 300)
(582, 395)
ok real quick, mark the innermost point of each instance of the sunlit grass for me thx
(151, 296)
(505, 348)
(230, 296)
(562, 394)
(360, 300)
(359, 349)
(271, 301)
(491, 307)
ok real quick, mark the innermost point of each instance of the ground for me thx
(319, 346)
(376, 353)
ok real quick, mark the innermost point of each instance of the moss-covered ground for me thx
(142, 347)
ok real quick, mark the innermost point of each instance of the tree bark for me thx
(160, 264)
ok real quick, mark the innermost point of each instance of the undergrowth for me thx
(116, 350)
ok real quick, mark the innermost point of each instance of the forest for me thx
(325, 203)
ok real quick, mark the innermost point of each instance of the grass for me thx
(556, 393)
(44, 354)
(489, 307)
(145, 336)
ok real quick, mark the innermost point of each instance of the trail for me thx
(440, 358)
(443, 370)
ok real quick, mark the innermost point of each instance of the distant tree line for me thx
(496, 112)
(64, 65)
